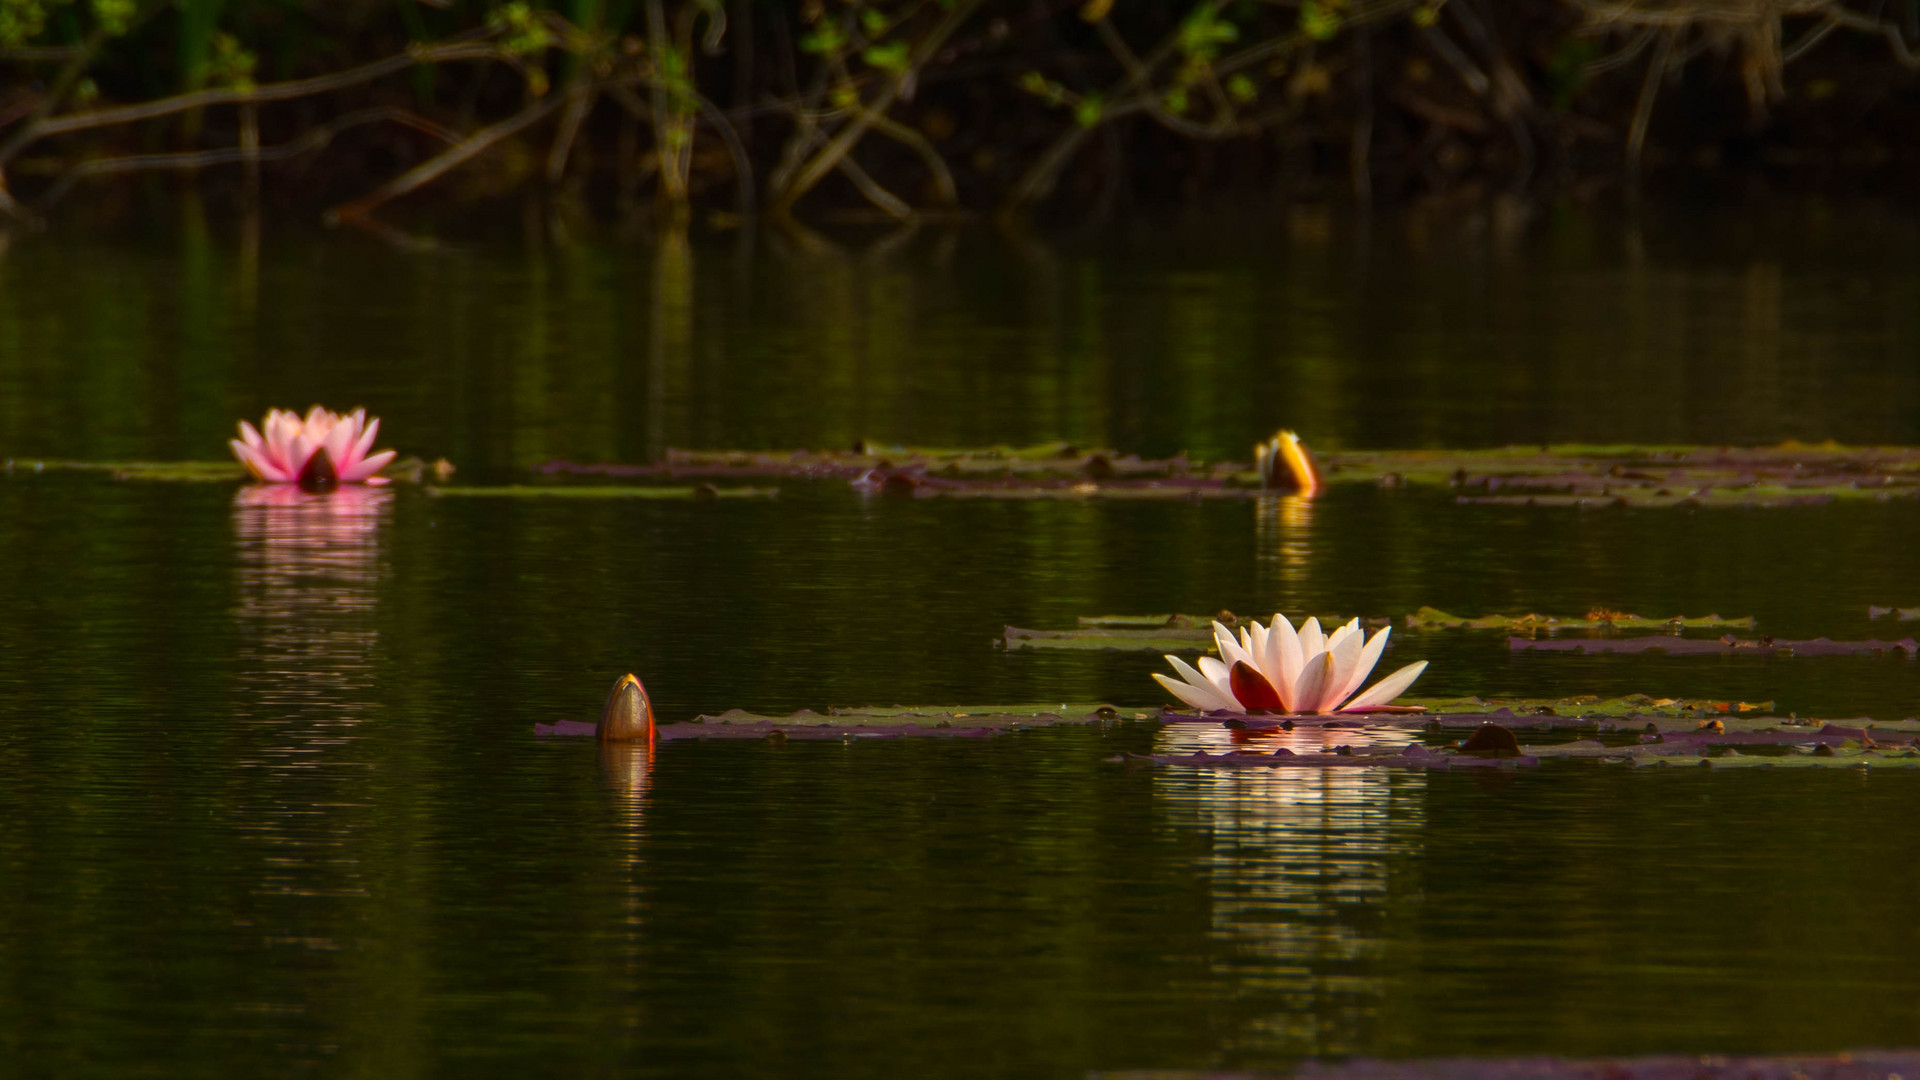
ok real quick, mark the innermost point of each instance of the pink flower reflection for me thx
(309, 584)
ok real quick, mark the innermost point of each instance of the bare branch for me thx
(285, 91)
(877, 195)
(313, 140)
(426, 172)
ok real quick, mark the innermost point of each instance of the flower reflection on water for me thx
(1283, 533)
(310, 567)
(309, 584)
(1298, 877)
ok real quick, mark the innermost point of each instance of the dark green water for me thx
(270, 803)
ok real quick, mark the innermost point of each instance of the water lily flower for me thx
(1284, 464)
(1276, 669)
(322, 448)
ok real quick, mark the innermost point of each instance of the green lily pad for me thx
(189, 471)
(1847, 755)
(1429, 618)
(603, 491)
(1592, 705)
(1163, 640)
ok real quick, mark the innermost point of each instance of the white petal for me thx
(1312, 686)
(1369, 656)
(1346, 657)
(1275, 664)
(1204, 687)
(1230, 650)
(1204, 700)
(1288, 657)
(1219, 675)
(1384, 691)
(1311, 639)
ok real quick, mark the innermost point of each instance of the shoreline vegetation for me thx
(927, 109)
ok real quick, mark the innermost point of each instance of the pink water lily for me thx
(1279, 670)
(323, 448)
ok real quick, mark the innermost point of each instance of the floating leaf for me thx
(1904, 614)
(1428, 618)
(1573, 475)
(895, 722)
(1725, 646)
(190, 471)
(1591, 705)
(593, 491)
(1857, 1065)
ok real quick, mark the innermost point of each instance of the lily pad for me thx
(1598, 619)
(1725, 646)
(1571, 475)
(895, 722)
(602, 491)
(1904, 614)
(188, 471)
(1170, 639)
(1857, 1065)
(1054, 459)
(1592, 705)
(1822, 755)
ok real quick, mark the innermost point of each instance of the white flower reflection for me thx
(310, 566)
(1299, 875)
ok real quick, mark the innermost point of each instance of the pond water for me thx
(270, 803)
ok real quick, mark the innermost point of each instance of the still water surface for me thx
(270, 803)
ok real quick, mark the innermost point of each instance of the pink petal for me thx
(364, 470)
(364, 443)
(245, 454)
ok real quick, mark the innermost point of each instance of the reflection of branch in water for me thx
(309, 575)
(1283, 532)
(1295, 853)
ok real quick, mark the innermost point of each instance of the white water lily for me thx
(1278, 669)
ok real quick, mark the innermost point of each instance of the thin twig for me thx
(428, 171)
(580, 98)
(844, 141)
(285, 91)
(742, 165)
(937, 165)
(1643, 111)
(877, 195)
(201, 159)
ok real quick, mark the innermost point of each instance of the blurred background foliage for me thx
(912, 108)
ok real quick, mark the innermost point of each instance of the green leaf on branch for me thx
(1088, 111)
(827, 39)
(892, 56)
(1203, 32)
(1319, 21)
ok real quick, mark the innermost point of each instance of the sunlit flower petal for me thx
(1277, 668)
(283, 449)
(1391, 687)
